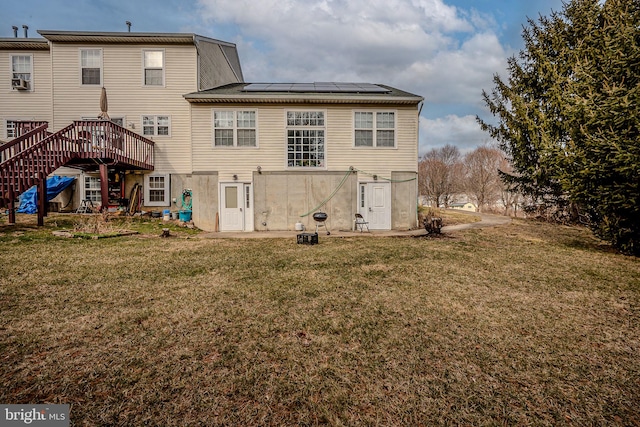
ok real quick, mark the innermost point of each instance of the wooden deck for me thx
(88, 145)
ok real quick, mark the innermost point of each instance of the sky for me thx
(446, 51)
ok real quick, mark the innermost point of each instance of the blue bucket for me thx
(185, 216)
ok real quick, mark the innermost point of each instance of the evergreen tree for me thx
(568, 115)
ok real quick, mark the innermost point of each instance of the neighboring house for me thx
(58, 79)
(468, 206)
(255, 156)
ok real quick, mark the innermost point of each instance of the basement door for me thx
(236, 207)
(375, 204)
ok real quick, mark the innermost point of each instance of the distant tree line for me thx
(446, 176)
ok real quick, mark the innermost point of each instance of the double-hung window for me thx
(305, 139)
(234, 128)
(156, 126)
(374, 129)
(12, 129)
(153, 67)
(92, 189)
(156, 190)
(22, 70)
(91, 66)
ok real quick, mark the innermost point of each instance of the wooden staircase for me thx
(88, 145)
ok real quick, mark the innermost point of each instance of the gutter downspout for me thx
(418, 161)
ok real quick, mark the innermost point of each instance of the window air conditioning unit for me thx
(20, 84)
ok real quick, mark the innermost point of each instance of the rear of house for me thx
(253, 156)
(145, 76)
(267, 156)
(25, 85)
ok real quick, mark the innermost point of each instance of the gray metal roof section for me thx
(299, 93)
(234, 60)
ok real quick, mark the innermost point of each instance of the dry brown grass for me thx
(527, 324)
(449, 216)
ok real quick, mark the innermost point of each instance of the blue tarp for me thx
(55, 186)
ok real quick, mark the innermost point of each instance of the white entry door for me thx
(231, 207)
(375, 204)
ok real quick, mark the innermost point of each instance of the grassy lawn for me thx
(527, 324)
(449, 216)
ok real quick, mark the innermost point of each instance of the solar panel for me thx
(256, 87)
(306, 87)
(280, 86)
(323, 87)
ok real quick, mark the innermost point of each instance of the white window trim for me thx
(164, 56)
(122, 118)
(6, 128)
(374, 130)
(155, 126)
(111, 119)
(235, 129)
(98, 190)
(286, 137)
(167, 190)
(101, 67)
(14, 120)
(30, 88)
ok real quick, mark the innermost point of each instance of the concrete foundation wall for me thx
(205, 200)
(179, 182)
(404, 200)
(280, 198)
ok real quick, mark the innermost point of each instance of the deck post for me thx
(41, 197)
(12, 205)
(104, 187)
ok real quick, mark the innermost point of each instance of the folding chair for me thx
(360, 223)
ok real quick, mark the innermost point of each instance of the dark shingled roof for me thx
(24, 44)
(304, 93)
(125, 37)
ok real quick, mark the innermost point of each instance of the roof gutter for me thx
(300, 99)
(21, 43)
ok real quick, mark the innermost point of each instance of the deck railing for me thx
(107, 140)
(27, 138)
(89, 139)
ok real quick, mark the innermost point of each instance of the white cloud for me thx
(459, 75)
(463, 132)
(426, 47)
(330, 38)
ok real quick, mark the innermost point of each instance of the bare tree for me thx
(439, 173)
(510, 197)
(482, 178)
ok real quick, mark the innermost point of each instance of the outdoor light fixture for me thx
(375, 177)
(235, 177)
(259, 168)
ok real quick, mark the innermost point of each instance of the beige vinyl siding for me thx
(25, 105)
(271, 152)
(342, 153)
(242, 161)
(128, 97)
(215, 69)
